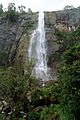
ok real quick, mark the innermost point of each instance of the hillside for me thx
(22, 95)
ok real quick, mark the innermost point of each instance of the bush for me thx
(70, 80)
(15, 88)
(36, 97)
(34, 116)
(46, 113)
(63, 112)
(12, 16)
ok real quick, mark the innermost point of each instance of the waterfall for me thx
(37, 51)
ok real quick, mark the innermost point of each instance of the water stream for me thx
(37, 51)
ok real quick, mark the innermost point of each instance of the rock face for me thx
(15, 37)
(65, 20)
(52, 45)
(12, 34)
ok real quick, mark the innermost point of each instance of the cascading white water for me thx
(37, 51)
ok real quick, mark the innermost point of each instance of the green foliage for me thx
(36, 97)
(14, 88)
(69, 76)
(47, 112)
(63, 112)
(46, 95)
(11, 14)
(68, 39)
(72, 55)
(51, 92)
(77, 34)
(33, 116)
(22, 92)
(28, 26)
(70, 81)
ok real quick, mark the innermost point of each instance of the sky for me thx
(43, 5)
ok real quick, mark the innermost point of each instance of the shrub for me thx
(46, 113)
(70, 80)
(34, 116)
(12, 16)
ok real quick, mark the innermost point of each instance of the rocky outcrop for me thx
(28, 24)
(12, 34)
(52, 44)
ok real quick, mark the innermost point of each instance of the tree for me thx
(67, 7)
(11, 14)
(21, 9)
(11, 7)
(1, 9)
(70, 82)
(15, 86)
(29, 11)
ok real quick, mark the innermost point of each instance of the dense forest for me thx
(22, 96)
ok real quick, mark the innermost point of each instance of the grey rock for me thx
(52, 45)
(11, 33)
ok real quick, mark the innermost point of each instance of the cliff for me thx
(52, 45)
(64, 20)
(14, 37)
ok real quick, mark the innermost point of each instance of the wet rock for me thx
(52, 45)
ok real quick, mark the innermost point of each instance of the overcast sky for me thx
(36, 5)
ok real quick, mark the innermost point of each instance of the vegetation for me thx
(68, 38)
(33, 116)
(70, 15)
(69, 85)
(22, 97)
(14, 87)
(21, 9)
(1, 9)
(67, 90)
(11, 14)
